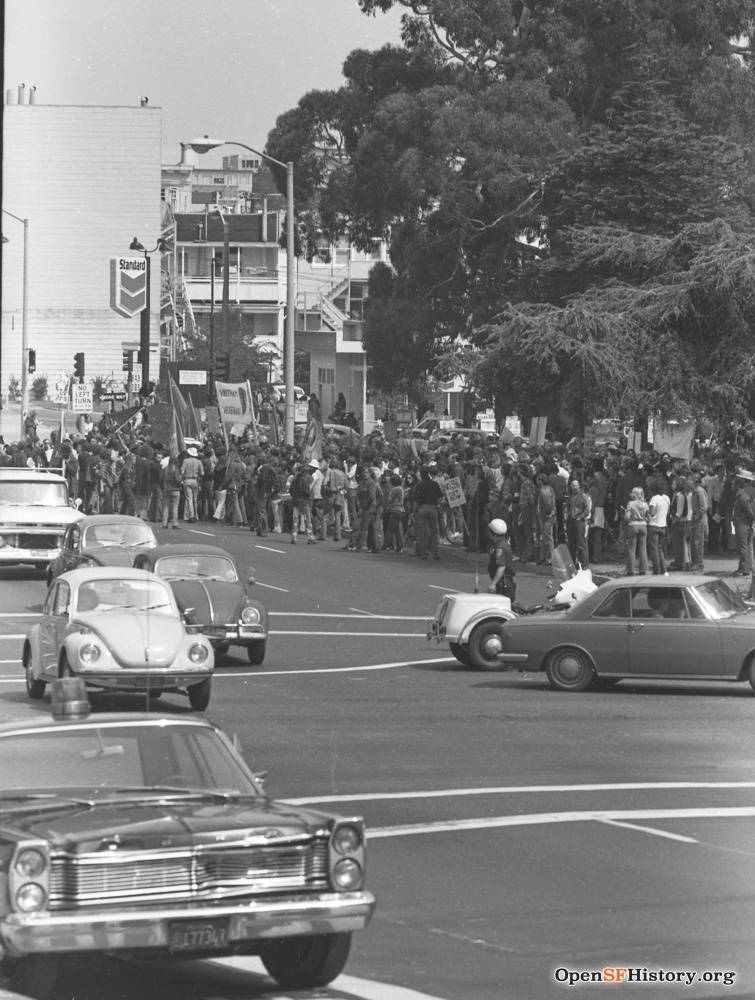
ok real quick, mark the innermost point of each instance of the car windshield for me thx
(129, 757)
(215, 567)
(121, 535)
(33, 494)
(719, 600)
(125, 595)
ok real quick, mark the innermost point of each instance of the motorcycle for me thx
(570, 584)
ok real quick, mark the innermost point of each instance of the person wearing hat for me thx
(743, 516)
(191, 472)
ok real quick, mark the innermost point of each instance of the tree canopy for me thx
(567, 191)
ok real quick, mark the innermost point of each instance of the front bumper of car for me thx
(233, 634)
(434, 630)
(136, 679)
(152, 927)
(35, 555)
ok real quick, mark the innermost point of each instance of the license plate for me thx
(198, 935)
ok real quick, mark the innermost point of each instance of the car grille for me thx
(41, 537)
(129, 876)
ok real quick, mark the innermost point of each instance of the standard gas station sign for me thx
(128, 285)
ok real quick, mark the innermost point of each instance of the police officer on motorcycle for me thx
(501, 561)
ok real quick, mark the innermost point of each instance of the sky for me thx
(225, 68)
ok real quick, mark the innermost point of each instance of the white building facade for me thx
(88, 180)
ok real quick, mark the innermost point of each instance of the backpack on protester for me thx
(300, 487)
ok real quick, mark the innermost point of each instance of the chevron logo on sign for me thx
(128, 285)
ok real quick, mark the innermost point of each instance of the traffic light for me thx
(32, 360)
(128, 362)
(78, 365)
(222, 367)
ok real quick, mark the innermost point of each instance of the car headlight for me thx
(347, 874)
(250, 616)
(31, 897)
(30, 863)
(89, 652)
(347, 839)
(197, 652)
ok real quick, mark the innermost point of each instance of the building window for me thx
(218, 179)
(326, 376)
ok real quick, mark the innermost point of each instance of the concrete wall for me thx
(88, 180)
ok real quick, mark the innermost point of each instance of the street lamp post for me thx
(24, 324)
(144, 338)
(204, 145)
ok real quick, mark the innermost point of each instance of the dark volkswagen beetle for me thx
(209, 591)
(101, 540)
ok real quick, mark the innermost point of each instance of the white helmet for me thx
(498, 526)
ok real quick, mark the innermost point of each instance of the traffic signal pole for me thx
(144, 330)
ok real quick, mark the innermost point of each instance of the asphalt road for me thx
(517, 835)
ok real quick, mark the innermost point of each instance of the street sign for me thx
(128, 285)
(191, 377)
(81, 398)
(110, 397)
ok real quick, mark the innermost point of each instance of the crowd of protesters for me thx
(652, 511)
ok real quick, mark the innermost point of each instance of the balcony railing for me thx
(241, 288)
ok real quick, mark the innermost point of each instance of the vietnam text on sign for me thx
(234, 402)
(81, 398)
(128, 285)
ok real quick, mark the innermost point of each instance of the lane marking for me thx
(374, 635)
(267, 548)
(362, 614)
(519, 789)
(540, 819)
(196, 531)
(269, 586)
(446, 590)
(262, 673)
(652, 830)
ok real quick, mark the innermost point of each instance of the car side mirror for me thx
(251, 579)
(187, 612)
(261, 778)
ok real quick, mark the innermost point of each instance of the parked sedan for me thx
(118, 629)
(149, 836)
(102, 540)
(680, 627)
(209, 592)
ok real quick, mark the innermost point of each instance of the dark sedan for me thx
(209, 591)
(681, 627)
(101, 540)
(148, 836)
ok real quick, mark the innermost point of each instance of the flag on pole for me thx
(179, 404)
(177, 444)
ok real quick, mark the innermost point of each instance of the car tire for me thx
(199, 695)
(569, 669)
(33, 975)
(307, 962)
(34, 688)
(484, 643)
(256, 652)
(461, 653)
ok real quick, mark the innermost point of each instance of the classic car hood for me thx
(215, 602)
(127, 634)
(478, 602)
(26, 514)
(112, 556)
(147, 823)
